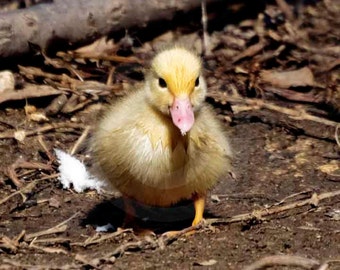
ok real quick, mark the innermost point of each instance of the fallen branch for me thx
(66, 23)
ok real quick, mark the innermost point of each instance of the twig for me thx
(257, 104)
(10, 171)
(109, 80)
(22, 164)
(59, 63)
(26, 188)
(30, 91)
(287, 260)
(292, 196)
(80, 140)
(147, 243)
(113, 58)
(250, 51)
(337, 135)
(258, 214)
(56, 229)
(38, 72)
(53, 240)
(11, 134)
(49, 249)
(100, 238)
(206, 41)
(61, 227)
(44, 146)
(164, 240)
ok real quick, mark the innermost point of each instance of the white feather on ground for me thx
(105, 228)
(73, 172)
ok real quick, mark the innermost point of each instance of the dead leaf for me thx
(206, 263)
(99, 47)
(286, 79)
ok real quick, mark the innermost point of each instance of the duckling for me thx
(162, 144)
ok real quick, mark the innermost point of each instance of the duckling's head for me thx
(176, 86)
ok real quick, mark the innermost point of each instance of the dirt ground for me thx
(286, 168)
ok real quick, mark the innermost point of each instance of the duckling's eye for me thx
(162, 82)
(197, 82)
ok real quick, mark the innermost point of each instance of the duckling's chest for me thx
(159, 144)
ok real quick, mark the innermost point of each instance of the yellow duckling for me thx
(162, 143)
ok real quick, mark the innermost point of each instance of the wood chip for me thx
(20, 135)
(7, 82)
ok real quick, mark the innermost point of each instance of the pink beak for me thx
(182, 114)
